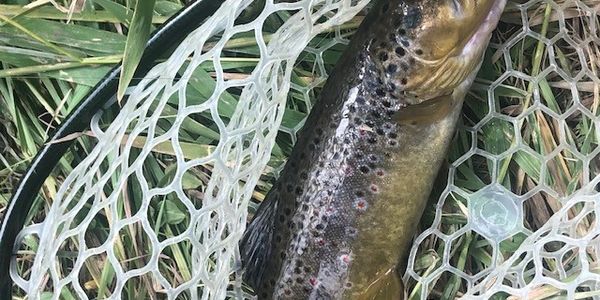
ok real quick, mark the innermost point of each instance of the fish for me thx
(339, 221)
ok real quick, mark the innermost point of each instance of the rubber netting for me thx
(205, 178)
(517, 218)
(516, 215)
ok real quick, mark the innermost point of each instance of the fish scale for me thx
(340, 219)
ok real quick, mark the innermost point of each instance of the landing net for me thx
(517, 216)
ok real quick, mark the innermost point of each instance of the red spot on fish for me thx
(380, 173)
(345, 258)
(321, 242)
(374, 188)
(313, 281)
(361, 204)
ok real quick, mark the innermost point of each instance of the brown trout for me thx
(339, 222)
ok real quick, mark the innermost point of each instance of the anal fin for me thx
(256, 245)
(388, 286)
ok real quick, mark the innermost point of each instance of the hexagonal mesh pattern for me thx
(517, 218)
(136, 249)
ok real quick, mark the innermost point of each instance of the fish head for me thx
(436, 45)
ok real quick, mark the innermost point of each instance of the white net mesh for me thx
(197, 262)
(531, 153)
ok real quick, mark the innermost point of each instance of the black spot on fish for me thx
(299, 191)
(289, 188)
(376, 114)
(359, 194)
(360, 100)
(418, 52)
(386, 103)
(380, 131)
(372, 140)
(400, 51)
(357, 121)
(391, 69)
(300, 280)
(316, 141)
(404, 66)
(392, 38)
(320, 226)
(405, 43)
(392, 135)
(380, 92)
(403, 81)
(402, 31)
(352, 109)
(364, 169)
(281, 219)
(392, 143)
(304, 175)
(391, 87)
(383, 56)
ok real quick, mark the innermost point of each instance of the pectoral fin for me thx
(388, 286)
(426, 112)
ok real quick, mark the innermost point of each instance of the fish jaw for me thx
(433, 53)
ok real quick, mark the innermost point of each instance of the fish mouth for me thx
(441, 74)
(482, 33)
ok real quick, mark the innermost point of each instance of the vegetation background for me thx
(53, 52)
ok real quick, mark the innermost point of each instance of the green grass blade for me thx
(139, 33)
